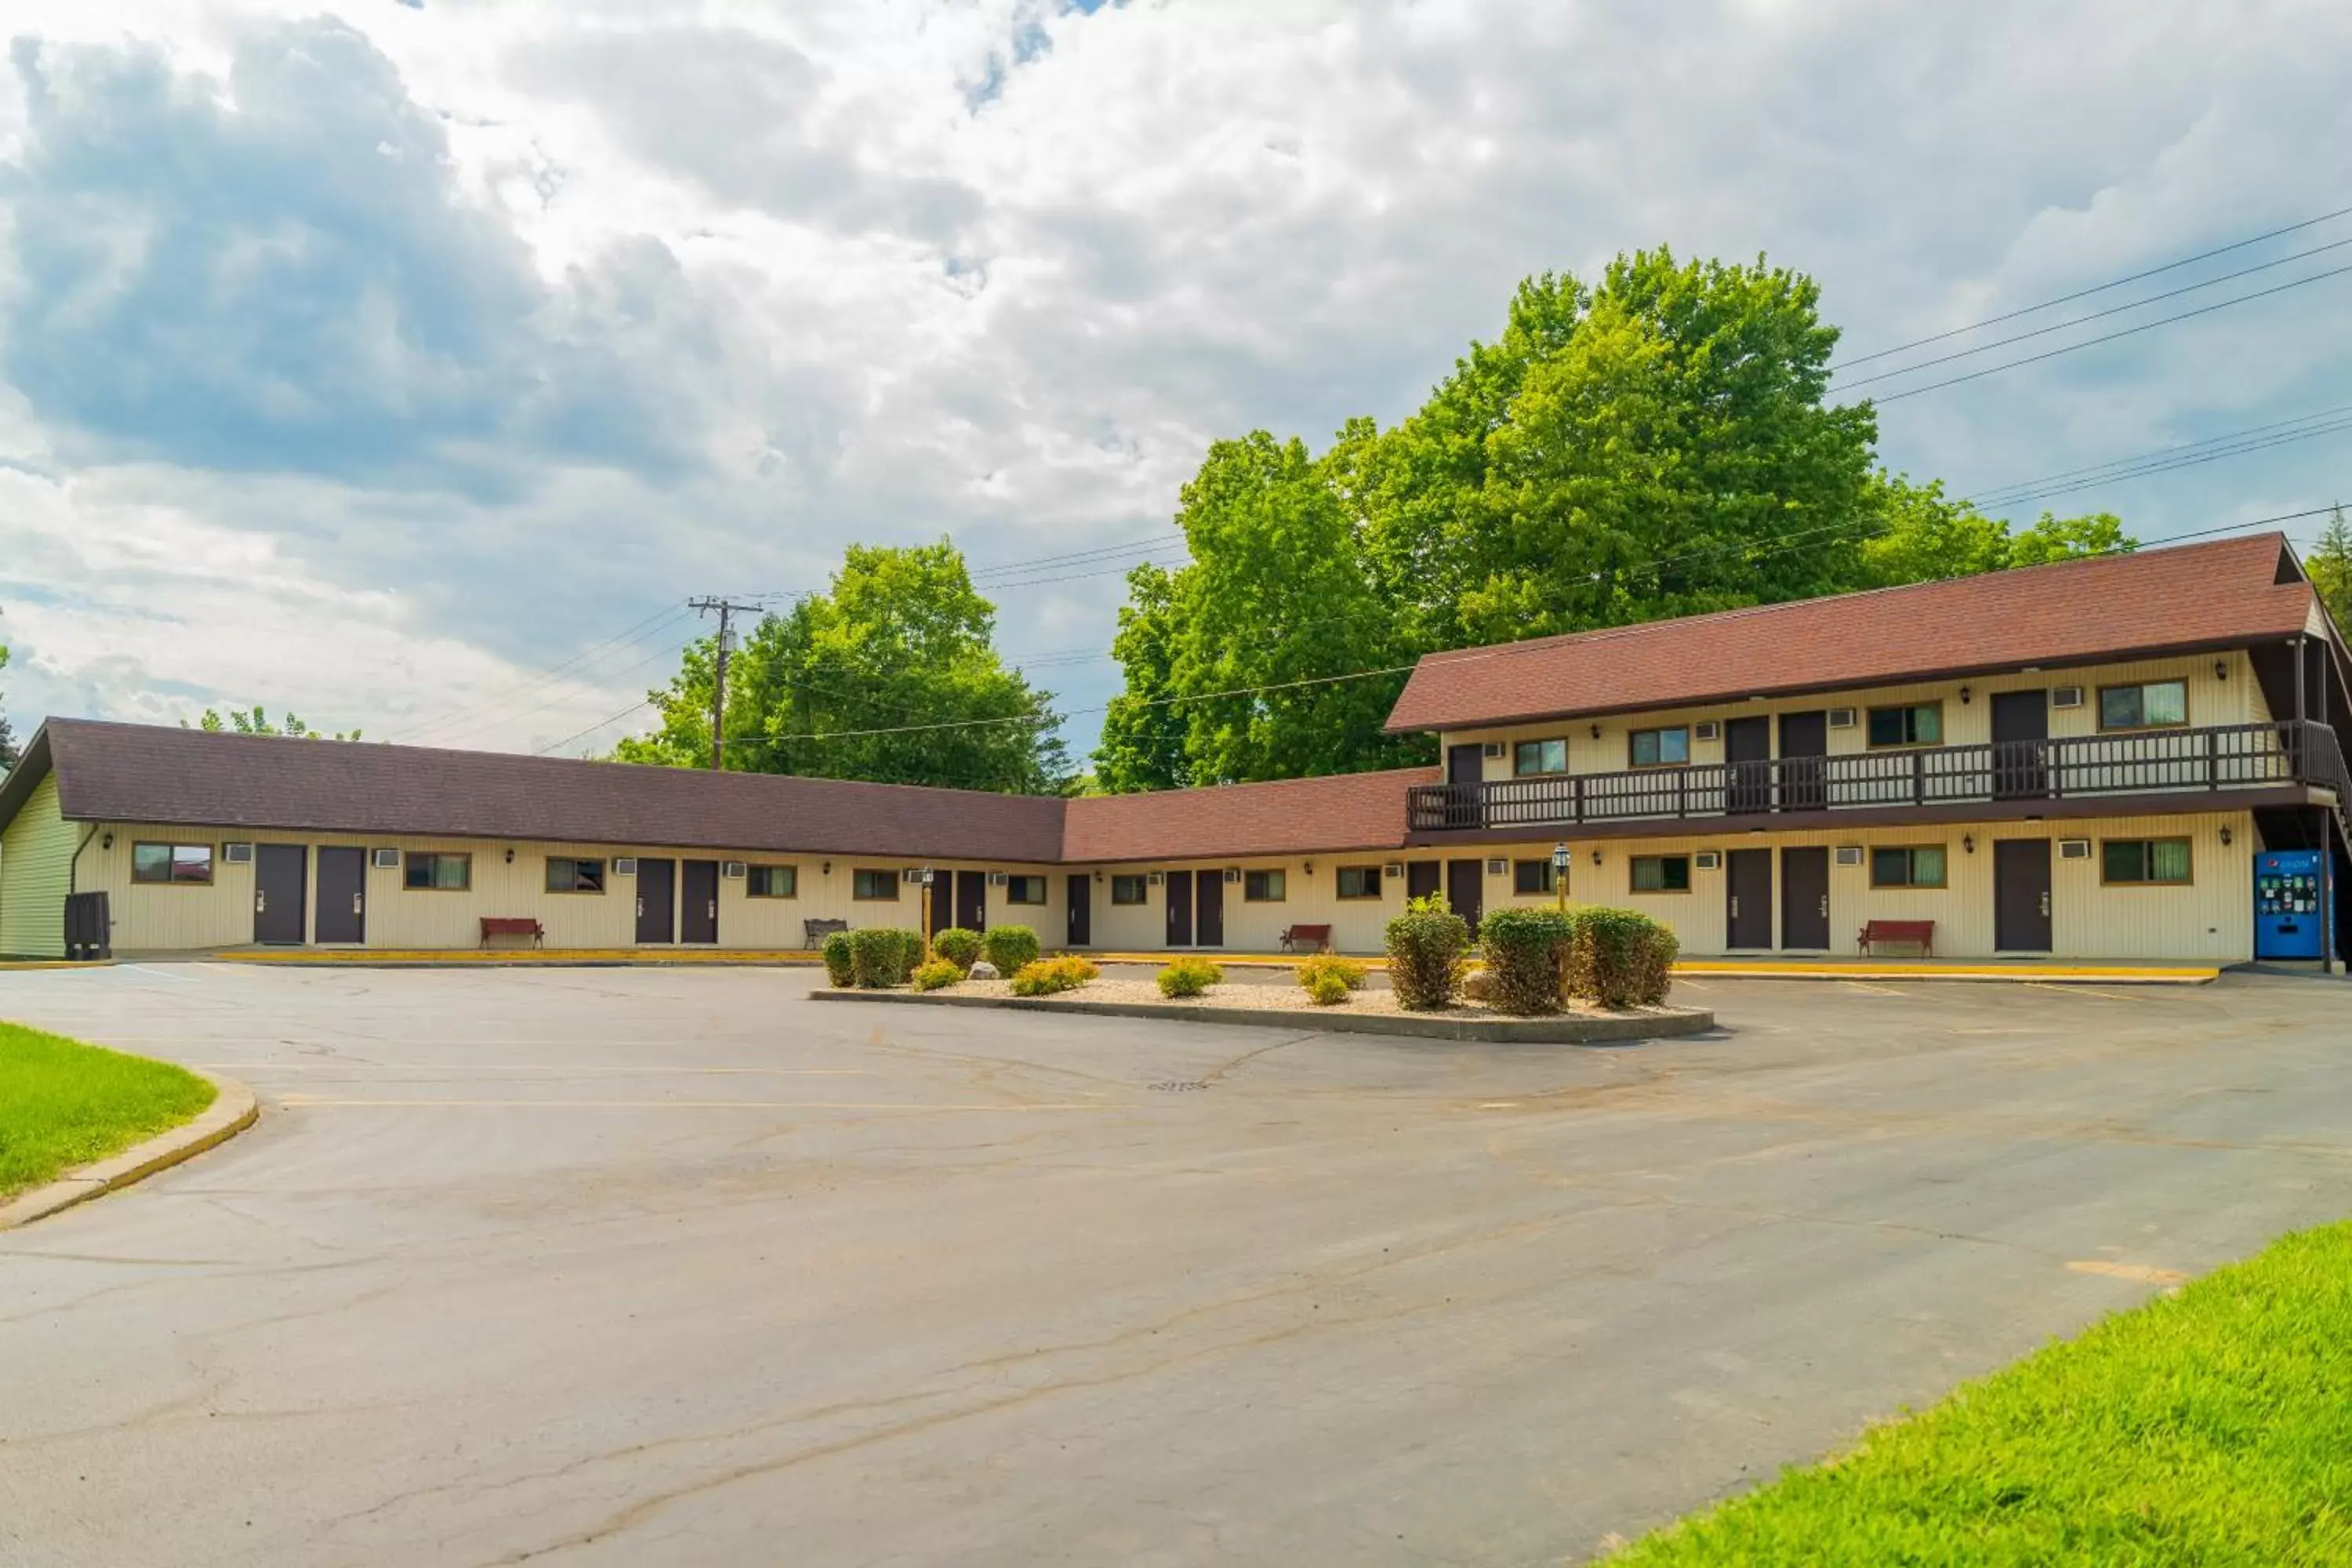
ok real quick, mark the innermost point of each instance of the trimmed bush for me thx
(960, 947)
(1189, 977)
(1426, 949)
(1620, 959)
(1349, 972)
(1048, 975)
(1527, 952)
(936, 974)
(881, 956)
(1010, 947)
(839, 969)
(1328, 988)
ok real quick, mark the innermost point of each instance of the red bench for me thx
(1922, 932)
(1298, 938)
(513, 925)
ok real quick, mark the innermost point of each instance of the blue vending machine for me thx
(2289, 898)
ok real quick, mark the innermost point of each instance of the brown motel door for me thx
(1422, 877)
(1209, 909)
(343, 896)
(942, 896)
(1748, 756)
(971, 899)
(1082, 910)
(281, 880)
(1748, 891)
(1465, 887)
(1805, 899)
(1180, 908)
(2021, 895)
(697, 908)
(656, 902)
(1804, 762)
(2020, 735)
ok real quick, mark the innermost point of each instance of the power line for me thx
(461, 718)
(2023, 495)
(2094, 316)
(2097, 288)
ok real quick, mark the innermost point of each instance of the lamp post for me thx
(926, 896)
(1559, 861)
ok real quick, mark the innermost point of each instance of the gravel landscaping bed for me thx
(1259, 996)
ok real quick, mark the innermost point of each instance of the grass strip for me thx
(2211, 1428)
(63, 1103)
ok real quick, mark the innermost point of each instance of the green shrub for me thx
(882, 956)
(932, 976)
(1328, 988)
(839, 969)
(1426, 948)
(960, 947)
(1348, 972)
(1045, 976)
(1010, 947)
(1620, 959)
(1189, 977)
(1527, 952)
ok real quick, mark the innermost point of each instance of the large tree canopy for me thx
(2330, 567)
(890, 676)
(8, 751)
(1657, 444)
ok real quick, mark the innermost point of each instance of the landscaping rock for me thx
(983, 970)
(1478, 987)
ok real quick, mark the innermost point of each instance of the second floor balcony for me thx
(2008, 778)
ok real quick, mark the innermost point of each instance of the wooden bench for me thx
(814, 932)
(1920, 932)
(513, 925)
(1301, 938)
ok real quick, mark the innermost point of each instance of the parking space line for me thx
(311, 1102)
(1873, 990)
(442, 1068)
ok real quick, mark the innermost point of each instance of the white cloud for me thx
(647, 298)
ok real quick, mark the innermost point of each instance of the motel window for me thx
(172, 865)
(1532, 877)
(1660, 748)
(2153, 706)
(1920, 866)
(2145, 862)
(1540, 757)
(1359, 882)
(772, 882)
(866, 882)
(1914, 724)
(567, 875)
(1127, 887)
(434, 871)
(1661, 873)
(1025, 889)
(1263, 887)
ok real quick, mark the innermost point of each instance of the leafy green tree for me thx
(890, 676)
(1143, 732)
(2064, 538)
(1918, 534)
(8, 750)
(257, 722)
(2330, 568)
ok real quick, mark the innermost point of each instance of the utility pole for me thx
(724, 609)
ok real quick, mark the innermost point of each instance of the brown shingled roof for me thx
(2229, 593)
(141, 773)
(1286, 817)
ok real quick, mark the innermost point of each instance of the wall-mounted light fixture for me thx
(1310, 868)
(106, 841)
(509, 854)
(1964, 695)
(1596, 732)
(2225, 836)
(2220, 669)
(1098, 875)
(825, 869)
(1968, 843)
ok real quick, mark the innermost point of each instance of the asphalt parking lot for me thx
(666, 1266)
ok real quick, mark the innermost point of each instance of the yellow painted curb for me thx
(232, 1110)
(495, 957)
(55, 963)
(2048, 975)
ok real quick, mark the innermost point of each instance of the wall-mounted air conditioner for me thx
(1393, 868)
(2065, 697)
(387, 859)
(1153, 879)
(237, 854)
(1498, 867)
(1233, 873)
(2073, 849)
(625, 866)
(1849, 854)
(1707, 859)
(1491, 750)
(732, 869)
(1709, 731)
(1841, 718)
(996, 878)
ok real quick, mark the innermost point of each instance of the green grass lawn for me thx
(2209, 1427)
(63, 1103)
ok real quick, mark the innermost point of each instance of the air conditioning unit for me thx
(1393, 868)
(2073, 849)
(1841, 718)
(1707, 859)
(732, 869)
(2065, 697)
(1233, 873)
(1710, 731)
(237, 854)
(1849, 854)
(911, 873)
(1493, 749)
(1498, 867)
(387, 859)
(625, 866)
(995, 878)
(1153, 879)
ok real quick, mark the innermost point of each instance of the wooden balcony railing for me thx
(2168, 762)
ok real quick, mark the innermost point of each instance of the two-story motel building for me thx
(2082, 760)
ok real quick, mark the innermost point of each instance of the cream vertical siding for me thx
(162, 919)
(2230, 697)
(1310, 897)
(37, 855)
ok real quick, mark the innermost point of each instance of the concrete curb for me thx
(1561, 1031)
(232, 1110)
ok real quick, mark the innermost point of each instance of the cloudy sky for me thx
(409, 363)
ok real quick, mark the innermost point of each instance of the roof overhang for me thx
(25, 777)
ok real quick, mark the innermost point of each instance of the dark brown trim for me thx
(1732, 829)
